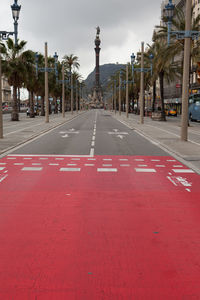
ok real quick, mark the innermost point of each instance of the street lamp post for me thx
(46, 70)
(168, 14)
(72, 94)
(120, 97)
(143, 70)
(132, 64)
(4, 35)
(127, 85)
(63, 81)
(15, 12)
(187, 35)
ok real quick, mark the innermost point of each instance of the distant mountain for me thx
(106, 71)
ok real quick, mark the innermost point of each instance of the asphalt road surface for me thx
(92, 210)
(94, 130)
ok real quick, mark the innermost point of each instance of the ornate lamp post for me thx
(63, 82)
(15, 12)
(4, 35)
(168, 14)
(46, 70)
(132, 64)
(187, 35)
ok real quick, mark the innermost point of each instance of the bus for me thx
(194, 107)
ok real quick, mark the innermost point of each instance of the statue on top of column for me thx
(98, 32)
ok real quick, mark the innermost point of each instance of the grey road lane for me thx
(95, 132)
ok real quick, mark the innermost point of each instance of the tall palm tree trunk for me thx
(42, 106)
(32, 114)
(161, 79)
(154, 96)
(15, 114)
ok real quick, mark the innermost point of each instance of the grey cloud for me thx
(69, 26)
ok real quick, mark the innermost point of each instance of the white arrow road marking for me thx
(1, 179)
(65, 136)
(120, 136)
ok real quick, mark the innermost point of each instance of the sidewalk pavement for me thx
(17, 133)
(167, 136)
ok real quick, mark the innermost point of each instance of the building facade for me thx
(6, 91)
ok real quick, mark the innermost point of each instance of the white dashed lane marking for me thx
(70, 169)
(31, 169)
(18, 164)
(106, 170)
(2, 168)
(145, 170)
(183, 171)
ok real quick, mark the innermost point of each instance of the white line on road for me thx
(72, 165)
(31, 169)
(92, 152)
(107, 165)
(160, 166)
(183, 171)
(3, 178)
(70, 169)
(53, 164)
(106, 170)
(2, 168)
(145, 170)
(93, 143)
(91, 158)
(2, 164)
(170, 179)
(18, 164)
(89, 165)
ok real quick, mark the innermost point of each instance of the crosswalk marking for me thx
(145, 170)
(31, 169)
(183, 171)
(106, 170)
(70, 169)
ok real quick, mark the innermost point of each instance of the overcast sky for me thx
(69, 27)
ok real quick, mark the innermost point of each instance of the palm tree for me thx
(71, 61)
(15, 69)
(164, 68)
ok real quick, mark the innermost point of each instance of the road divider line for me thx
(70, 169)
(106, 170)
(92, 152)
(31, 169)
(183, 171)
(139, 170)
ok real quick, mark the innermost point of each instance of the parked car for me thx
(172, 112)
(194, 111)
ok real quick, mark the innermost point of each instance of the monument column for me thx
(97, 49)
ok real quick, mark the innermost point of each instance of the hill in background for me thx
(106, 71)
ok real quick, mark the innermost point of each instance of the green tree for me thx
(15, 69)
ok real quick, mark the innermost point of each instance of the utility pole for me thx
(142, 86)
(186, 68)
(72, 95)
(46, 86)
(76, 96)
(120, 94)
(115, 98)
(127, 106)
(63, 91)
(1, 112)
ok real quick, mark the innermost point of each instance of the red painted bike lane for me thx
(105, 227)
